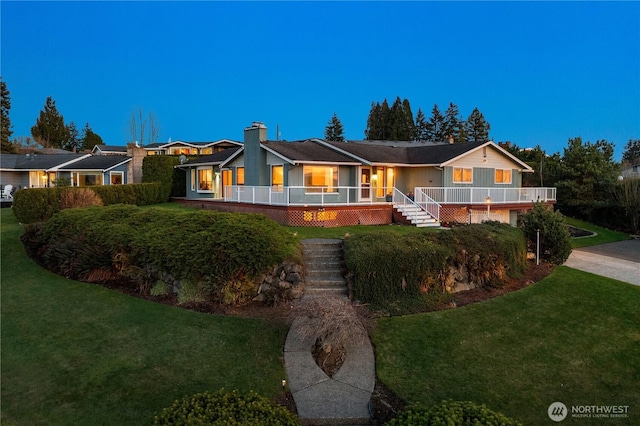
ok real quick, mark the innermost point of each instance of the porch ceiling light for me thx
(488, 200)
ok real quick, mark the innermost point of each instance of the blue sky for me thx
(540, 72)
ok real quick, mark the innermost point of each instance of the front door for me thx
(365, 184)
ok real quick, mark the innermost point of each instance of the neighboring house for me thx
(109, 150)
(42, 170)
(631, 172)
(317, 182)
(190, 148)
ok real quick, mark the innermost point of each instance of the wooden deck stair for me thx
(324, 264)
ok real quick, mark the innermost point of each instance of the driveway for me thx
(620, 260)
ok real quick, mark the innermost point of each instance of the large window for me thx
(277, 178)
(89, 179)
(318, 177)
(503, 176)
(117, 178)
(240, 176)
(461, 175)
(205, 180)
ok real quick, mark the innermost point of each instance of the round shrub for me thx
(452, 413)
(555, 239)
(225, 408)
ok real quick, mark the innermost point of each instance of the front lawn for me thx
(603, 236)
(573, 337)
(78, 354)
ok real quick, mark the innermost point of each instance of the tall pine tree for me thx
(477, 128)
(435, 126)
(334, 130)
(73, 138)
(50, 130)
(5, 131)
(89, 138)
(452, 123)
(374, 122)
(421, 126)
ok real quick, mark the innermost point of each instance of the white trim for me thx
(453, 175)
(277, 154)
(206, 191)
(56, 168)
(116, 172)
(525, 166)
(503, 170)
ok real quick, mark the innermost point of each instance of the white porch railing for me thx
(428, 204)
(302, 195)
(472, 195)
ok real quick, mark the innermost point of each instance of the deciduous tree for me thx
(143, 129)
(334, 130)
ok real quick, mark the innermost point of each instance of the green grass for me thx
(573, 337)
(604, 235)
(78, 354)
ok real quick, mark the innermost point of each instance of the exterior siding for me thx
(408, 178)
(495, 160)
(483, 178)
(17, 179)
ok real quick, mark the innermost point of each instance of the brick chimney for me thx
(134, 168)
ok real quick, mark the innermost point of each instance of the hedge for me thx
(39, 204)
(221, 255)
(453, 413)
(386, 266)
(160, 168)
(226, 408)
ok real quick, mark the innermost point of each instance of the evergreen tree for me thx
(477, 128)
(334, 130)
(587, 177)
(5, 130)
(435, 126)
(50, 131)
(89, 138)
(452, 123)
(396, 122)
(73, 138)
(409, 124)
(374, 122)
(385, 121)
(631, 152)
(421, 126)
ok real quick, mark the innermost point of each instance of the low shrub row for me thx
(452, 413)
(39, 204)
(388, 265)
(207, 255)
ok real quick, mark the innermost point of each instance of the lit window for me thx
(205, 151)
(117, 178)
(503, 176)
(277, 177)
(240, 176)
(205, 180)
(461, 175)
(318, 177)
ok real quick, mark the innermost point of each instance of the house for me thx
(43, 170)
(324, 183)
(190, 148)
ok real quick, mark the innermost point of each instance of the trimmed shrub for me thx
(217, 256)
(160, 168)
(225, 408)
(71, 198)
(555, 239)
(452, 413)
(39, 204)
(388, 265)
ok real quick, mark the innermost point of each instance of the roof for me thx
(36, 161)
(163, 145)
(307, 151)
(97, 162)
(110, 148)
(214, 159)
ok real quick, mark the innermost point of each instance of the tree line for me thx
(51, 131)
(396, 122)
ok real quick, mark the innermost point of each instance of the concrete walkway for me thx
(340, 400)
(620, 260)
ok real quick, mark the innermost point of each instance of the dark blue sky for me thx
(539, 72)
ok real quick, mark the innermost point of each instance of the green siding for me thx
(483, 178)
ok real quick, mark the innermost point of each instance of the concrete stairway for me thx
(417, 216)
(323, 260)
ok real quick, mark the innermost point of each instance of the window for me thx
(461, 175)
(240, 176)
(226, 179)
(117, 178)
(206, 151)
(503, 176)
(318, 177)
(193, 179)
(205, 180)
(181, 151)
(277, 178)
(89, 179)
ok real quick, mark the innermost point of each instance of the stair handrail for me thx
(400, 199)
(428, 204)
